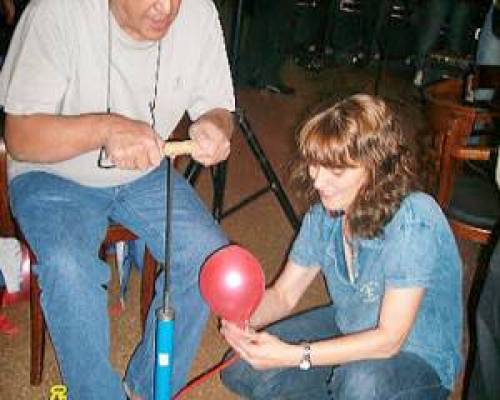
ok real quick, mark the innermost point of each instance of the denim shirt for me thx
(415, 249)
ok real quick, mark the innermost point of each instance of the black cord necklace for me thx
(103, 162)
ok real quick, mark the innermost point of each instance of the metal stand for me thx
(219, 171)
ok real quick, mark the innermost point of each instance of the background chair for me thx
(466, 190)
(115, 233)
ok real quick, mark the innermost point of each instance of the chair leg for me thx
(37, 333)
(147, 285)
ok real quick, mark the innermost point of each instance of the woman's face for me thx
(337, 187)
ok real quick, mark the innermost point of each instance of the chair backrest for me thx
(7, 225)
(447, 118)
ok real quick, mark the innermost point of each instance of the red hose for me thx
(205, 375)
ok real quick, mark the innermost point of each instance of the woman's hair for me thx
(362, 131)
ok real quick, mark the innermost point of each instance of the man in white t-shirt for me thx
(82, 76)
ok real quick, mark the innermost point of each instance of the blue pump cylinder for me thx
(164, 353)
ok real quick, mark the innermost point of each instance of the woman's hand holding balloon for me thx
(232, 284)
(260, 349)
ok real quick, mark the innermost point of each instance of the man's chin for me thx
(154, 34)
(156, 31)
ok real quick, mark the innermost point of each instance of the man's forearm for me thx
(42, 138)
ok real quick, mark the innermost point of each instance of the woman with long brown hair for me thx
(390, 263)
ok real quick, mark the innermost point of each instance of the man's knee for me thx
(64, 267)
(190, 253)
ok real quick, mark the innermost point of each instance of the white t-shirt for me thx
(58, 64)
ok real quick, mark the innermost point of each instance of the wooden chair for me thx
(466, 192)
(115, 233)
(468, 195)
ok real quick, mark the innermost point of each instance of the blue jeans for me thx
(433, 15)
(404, 376)
(64, 223)
(488, 50)
(484, 383)
(488, 53)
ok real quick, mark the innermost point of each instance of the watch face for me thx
(305, 364)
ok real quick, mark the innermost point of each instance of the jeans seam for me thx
(149, 229)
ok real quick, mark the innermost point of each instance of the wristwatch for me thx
(305, 361)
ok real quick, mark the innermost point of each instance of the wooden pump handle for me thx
(174, 149)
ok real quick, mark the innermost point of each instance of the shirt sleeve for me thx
(306, 247)
(213, 87)
(413, 257)
(35, 74)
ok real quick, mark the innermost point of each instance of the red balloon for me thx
(232, 283)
